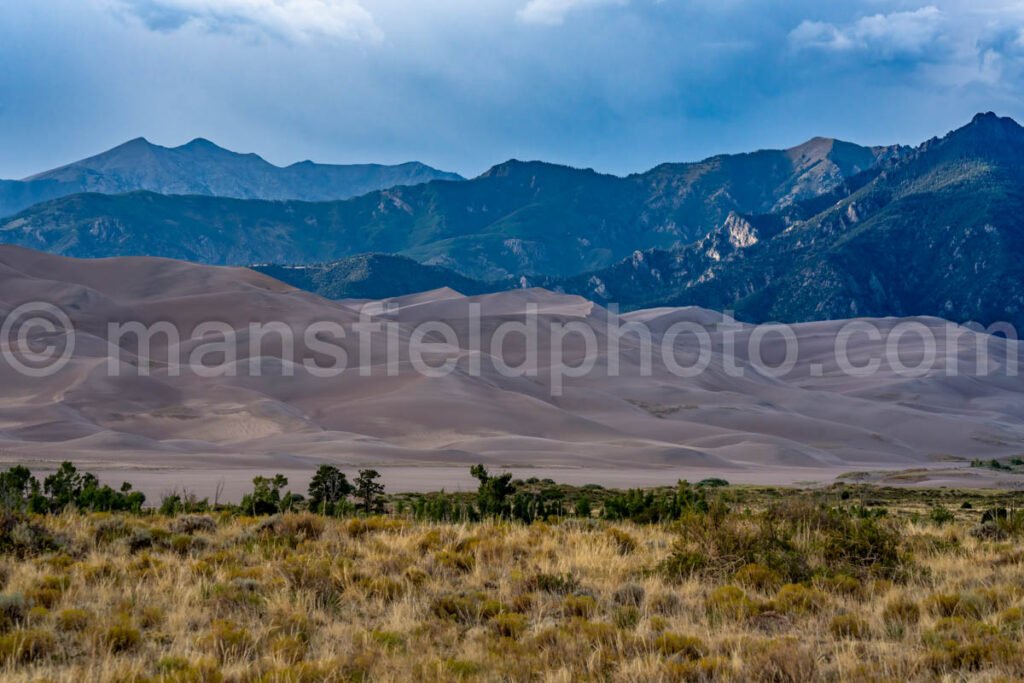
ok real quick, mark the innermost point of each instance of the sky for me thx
(615, 85)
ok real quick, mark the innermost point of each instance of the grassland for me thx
(848, 584)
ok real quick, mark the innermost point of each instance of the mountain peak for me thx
(988, 135)
(992, 121)
(985, 117)
(203, 145)
(816, 147)
(514, 168)
(134, 143)
(511, 167)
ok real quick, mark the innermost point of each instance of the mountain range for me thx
(202, 168)
(936, 231)
(825, 230)
(517, 218)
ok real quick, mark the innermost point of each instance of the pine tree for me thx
(329, 487)
(369, 491)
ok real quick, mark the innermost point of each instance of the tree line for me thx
(330, 493)
(67, 487)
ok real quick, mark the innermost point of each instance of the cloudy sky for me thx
(617, 85)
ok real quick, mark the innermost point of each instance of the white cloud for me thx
(889, 36)
(553, 12)
(298, 20)
(1001, 54)
(819, 35)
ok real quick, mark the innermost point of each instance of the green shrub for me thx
(598, 634)
(626, 618)
(1012, 619)
(865, 547)
(579, 606)
(460, 562)
(467, 608)
(74, 619)
(173, 665)
(291, 529)
(184, 544)
(27, 645)
(959, 644)
(687, 647)
(382, 588)
(557, 584)
(121, 637)
(151, 616)
(13, 609)
(48, 591)
(109, 529)
(389, 640)
(703, 670)
(463, 668)
(758, 577)
(684, 564)
(785, 660)
(23, 538)
(796, 598)
(181, 670)
(972, 605)
(850, 626)
(900, 613)
(228, 640)
(289, 648)
(841, 584)
(941, 516)
(360, 527)
(509, 624)
(718, 543)
(431, 540)
(237, 593)
(729, 602)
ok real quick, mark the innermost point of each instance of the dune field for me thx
(631, 426)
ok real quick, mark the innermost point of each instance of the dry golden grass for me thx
(302, 598)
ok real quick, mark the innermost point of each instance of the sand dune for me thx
(170, 431)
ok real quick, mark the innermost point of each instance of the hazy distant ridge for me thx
(202, 168)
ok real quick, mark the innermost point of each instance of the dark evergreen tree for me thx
(64, 486)
(494, 493)
(20, 491)
(369, 491)
(329, 487)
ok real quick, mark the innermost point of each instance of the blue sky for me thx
(617, 85)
